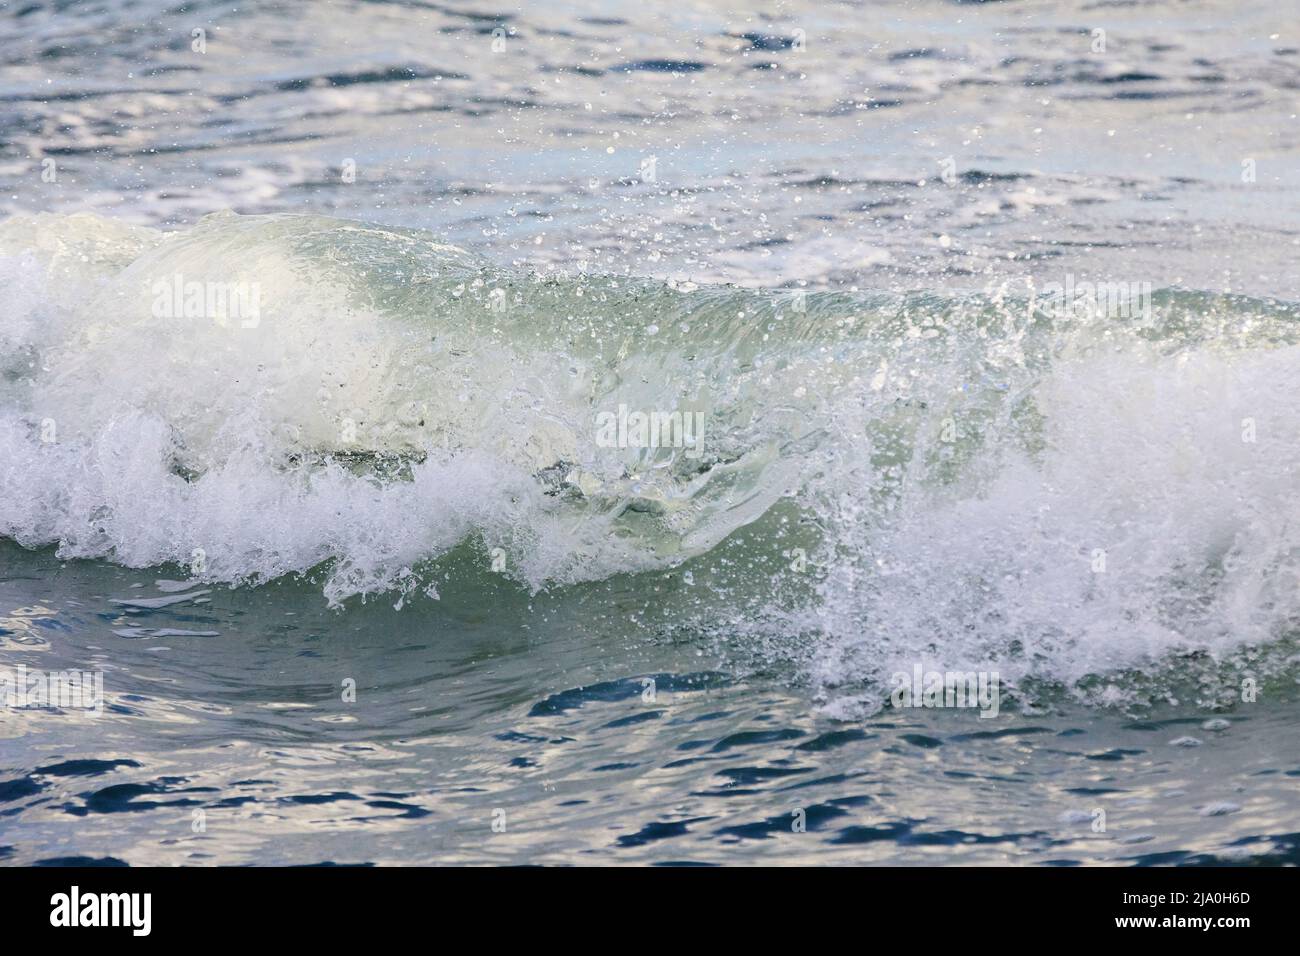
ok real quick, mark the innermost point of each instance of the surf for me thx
(974, 478)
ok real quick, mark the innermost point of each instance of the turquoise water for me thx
(537, 708)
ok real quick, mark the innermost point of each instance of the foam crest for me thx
(988, 482)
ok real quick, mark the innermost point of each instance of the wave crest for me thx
(269, 395)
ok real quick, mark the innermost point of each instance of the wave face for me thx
(1008, 480)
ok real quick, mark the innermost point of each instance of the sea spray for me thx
(951, 467)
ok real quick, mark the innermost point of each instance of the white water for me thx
(149, 439)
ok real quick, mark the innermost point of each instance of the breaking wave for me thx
(991, 480)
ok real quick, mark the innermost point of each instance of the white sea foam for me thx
(1143, 527)
(995, 489)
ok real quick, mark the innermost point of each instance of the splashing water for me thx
(984, 481)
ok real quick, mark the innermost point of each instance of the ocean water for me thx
(326, 338)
